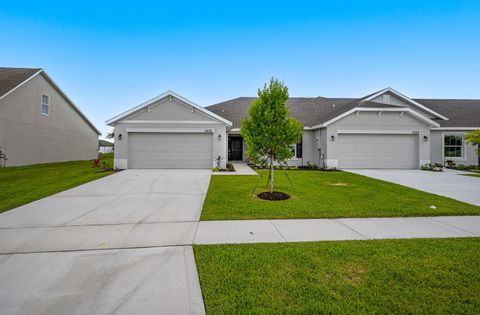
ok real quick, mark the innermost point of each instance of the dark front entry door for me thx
(235, 149)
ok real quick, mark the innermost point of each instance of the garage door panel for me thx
(378, 151)
(170, 150)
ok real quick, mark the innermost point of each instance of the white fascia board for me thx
(379, 109)
(171, 130)
(406, 98)
(16, 87)
(378, 131)
(59, 90)
(115, 119)
(456, 128)
(180, 122)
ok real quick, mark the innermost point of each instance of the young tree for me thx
(473, 137)
(270, 131)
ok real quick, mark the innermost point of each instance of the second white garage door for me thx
(170, 150)
(396, 151)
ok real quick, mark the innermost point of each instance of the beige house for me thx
(39, 123)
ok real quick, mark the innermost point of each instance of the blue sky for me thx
(111, 56)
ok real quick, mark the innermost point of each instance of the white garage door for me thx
(170, 150)
(378, 151)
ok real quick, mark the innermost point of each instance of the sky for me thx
(109, 56)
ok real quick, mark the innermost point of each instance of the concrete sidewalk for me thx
(240, 169)
(164, 234)
(268, 231)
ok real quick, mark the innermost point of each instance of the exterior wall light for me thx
(119, 137)
(219, 137)
(425, 138)
(332, 137)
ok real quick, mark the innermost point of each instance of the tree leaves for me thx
(270, 131)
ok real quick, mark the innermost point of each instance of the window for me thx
(297, 150)
(45, 104)
(453, 145)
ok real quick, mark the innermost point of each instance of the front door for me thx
(235, 149)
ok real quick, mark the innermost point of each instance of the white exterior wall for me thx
(387, 122)
(105, 149)
(169, 116)
(436, 148)
(29, 137)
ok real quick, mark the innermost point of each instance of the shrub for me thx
(432, 167)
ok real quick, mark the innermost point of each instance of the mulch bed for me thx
(273, 196)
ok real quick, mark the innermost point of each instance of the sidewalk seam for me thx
(276, 228)
(351, 228)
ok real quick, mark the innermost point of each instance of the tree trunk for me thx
(271, 173)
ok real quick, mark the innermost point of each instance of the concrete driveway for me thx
(50, 261)
(449, 183)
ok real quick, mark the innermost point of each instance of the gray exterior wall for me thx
(29, 137)
(399, 102)
(308, 156)
(171, 116)
(370, 121)
(436, 148)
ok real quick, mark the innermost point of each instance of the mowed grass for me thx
(424, 276)
(24, 184)
(317, 194)
(472, 175)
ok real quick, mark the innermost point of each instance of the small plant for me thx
(451, 164)
(431, 167)
(218, 161)
(230, 167)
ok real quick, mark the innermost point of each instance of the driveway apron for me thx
(104, 247)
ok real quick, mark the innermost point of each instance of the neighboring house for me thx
(39, 123)
(105, 146)
(385, 129)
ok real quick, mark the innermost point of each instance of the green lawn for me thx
(24, 184)
(423, 276)
(472, 175)
(322, 195)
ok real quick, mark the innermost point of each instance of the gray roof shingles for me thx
(312, 111)
(12, 77)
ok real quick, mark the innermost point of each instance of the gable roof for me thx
(407, 99)
(314, 111)
(13, 78)
(462, 113)
(306, 110)
(129, 112)
(10, 78)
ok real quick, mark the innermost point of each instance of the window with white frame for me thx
(297, 150)
(453, 145)
(45, 104)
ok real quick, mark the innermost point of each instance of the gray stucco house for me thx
(385, 129)
(39, 123)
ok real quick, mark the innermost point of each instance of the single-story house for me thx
(39, 123)
(105, 146)
(385, 129)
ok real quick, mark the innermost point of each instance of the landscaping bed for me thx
(20, 185)
(423, 276)
(317, 194)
